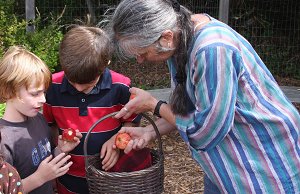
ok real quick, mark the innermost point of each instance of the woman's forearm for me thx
(164, 127)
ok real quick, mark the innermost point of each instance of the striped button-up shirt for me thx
(243, 131)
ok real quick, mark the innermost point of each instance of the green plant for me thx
(44, 42)
(8, 26)
(2, 109)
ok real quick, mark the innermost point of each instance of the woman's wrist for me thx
(157, 108)
(152, 133)
(153, 104)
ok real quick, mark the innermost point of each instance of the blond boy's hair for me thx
(19, 67)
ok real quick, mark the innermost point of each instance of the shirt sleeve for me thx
(7, 145)
(213, 77)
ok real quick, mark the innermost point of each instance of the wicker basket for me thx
(149, 180)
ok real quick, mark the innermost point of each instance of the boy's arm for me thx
(32, 182)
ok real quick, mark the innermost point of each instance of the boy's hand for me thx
(67, 146)
(109, 154)
(52, 168)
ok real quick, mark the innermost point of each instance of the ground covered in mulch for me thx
(182, 174)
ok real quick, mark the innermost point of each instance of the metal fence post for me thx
(91, 11)
(30, 15)
(224, 11)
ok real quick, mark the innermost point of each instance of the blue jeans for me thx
(210, 187)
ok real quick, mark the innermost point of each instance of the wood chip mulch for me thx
(182, 174)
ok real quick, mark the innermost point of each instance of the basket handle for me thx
(111, 115)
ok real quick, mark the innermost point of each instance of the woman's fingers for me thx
(129, 147)
(140, 144)
(125, 113)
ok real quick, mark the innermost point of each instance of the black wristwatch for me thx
(157, 107)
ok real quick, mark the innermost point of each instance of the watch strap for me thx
(157, 108)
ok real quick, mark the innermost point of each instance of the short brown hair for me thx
(84, 53)
(18, 68)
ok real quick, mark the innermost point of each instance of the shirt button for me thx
(82, 100)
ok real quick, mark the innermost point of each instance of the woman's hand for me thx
(142, 102)
(109, 154)
(140, 137)
(67, 146)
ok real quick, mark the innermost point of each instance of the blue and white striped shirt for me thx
(243, 131)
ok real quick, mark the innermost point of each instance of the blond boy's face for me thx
(29, 101)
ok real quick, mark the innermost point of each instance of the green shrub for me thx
(2, 108)
(44, 42)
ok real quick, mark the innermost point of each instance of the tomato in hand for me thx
(68, 134)
(122, 140)
(132, 96)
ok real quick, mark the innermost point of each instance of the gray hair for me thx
(138, 24)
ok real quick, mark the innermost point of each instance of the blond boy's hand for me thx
(51, 168)
(67, 146)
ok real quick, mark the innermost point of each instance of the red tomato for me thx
(68, 134)
(122, 140)
(132, 96)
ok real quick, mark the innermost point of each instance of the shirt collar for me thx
(104, 82)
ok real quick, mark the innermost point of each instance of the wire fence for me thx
(271, 26)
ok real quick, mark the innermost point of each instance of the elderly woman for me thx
(239, 126)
